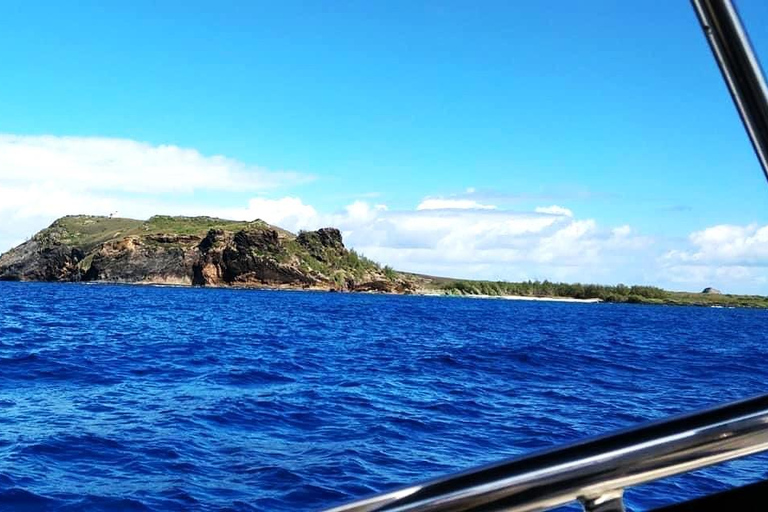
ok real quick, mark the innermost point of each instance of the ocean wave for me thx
(171, 399)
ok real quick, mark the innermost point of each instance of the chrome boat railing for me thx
(593, 472)
(740, 67)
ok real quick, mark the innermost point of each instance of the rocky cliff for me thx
(195, 251)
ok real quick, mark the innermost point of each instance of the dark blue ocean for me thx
(149, 398)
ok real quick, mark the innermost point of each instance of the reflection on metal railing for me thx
(594, 472)
(740, 67)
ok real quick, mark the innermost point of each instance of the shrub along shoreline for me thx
(619, 293)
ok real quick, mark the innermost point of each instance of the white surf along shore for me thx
(515, 297)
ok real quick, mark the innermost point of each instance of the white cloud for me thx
(732, 244)
(360, 211)
(726, 245)
(622, 231)
(489, 243)
(45, 177)
(555, 210)
(452, 204)
(725, 256)
(289, 213)
(121, 165)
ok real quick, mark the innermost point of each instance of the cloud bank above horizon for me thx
(45, 177)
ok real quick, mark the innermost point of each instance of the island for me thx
(208, 251)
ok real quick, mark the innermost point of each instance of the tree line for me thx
(617, 293)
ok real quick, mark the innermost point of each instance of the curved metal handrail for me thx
(594, 472)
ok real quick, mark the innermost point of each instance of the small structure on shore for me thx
(711, 291)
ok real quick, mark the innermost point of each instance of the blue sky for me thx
(357, 112)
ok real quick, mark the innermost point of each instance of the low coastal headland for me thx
(599, 293)
(207, 251)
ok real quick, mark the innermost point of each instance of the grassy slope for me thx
(201, 225)
(87, 231)
(726, 300)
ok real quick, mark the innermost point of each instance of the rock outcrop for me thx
(711, 291)
(247, 257)
(195, 250)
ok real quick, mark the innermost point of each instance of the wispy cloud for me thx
(97, 164)
(45, 177)
(554, 210)
(437, 203)
(469, 234)
(562, 194)
(483, 241)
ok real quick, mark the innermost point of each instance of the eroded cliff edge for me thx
(201, 251)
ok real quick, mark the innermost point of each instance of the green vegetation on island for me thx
(605, 293)
(208, 251)
(203, 251)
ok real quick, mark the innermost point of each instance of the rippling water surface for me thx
(143, 398)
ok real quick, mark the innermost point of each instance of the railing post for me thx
(608, 502)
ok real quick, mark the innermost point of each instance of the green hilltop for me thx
(194, 250)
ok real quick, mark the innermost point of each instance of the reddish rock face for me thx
(140, 259)
(255, 257)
